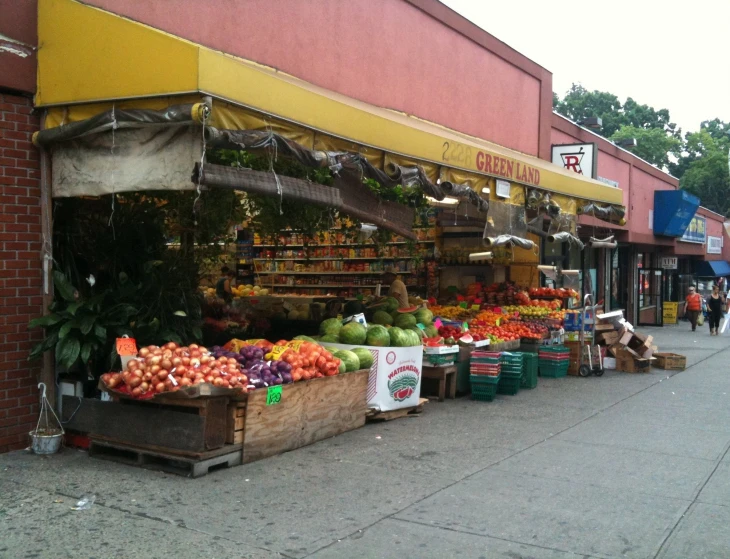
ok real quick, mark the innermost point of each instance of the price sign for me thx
(276, 352)
(126, 346)
(295, 344)
(437, 323)
(421, 326)
(465, 327)
(475, 307)
(273, 395)
(464, 305)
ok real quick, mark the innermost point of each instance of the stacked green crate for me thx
(485, 369)
(511, 373)
(529, 370)
(553, 361)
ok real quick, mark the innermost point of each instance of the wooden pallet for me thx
(374, 415)
(189, 465)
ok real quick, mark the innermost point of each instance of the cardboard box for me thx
(605, 328)
(609, 338)
(670, 361)
(628, 363)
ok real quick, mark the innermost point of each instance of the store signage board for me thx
(578, 158)
(669, 313)
(609, 182)
(696, 231)
(669, 262)
(714, 245)
(503, 188)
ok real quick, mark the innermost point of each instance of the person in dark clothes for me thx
(714, 303)
(223, 287)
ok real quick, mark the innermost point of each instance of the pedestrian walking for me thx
(693, 306)
(715, 302)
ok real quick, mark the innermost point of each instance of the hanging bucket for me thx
(46, 438)
(45, 442)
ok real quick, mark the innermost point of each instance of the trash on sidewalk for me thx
(85, 502)
(634, 351)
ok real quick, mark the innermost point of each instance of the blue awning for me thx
(713, 269)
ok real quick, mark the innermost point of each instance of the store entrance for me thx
(649, 296)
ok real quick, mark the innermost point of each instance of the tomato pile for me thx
(550, 292)
(311, 361)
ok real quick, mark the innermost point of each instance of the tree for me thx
(658, 138)
(704, 166)
(653, 145)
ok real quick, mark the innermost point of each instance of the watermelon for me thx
(390, 305)
(365, 357)
(331, 349)
(431, 331)
(405, 321)
(353, 333)
(424, 316)
(377, 336)
(343, 367)
(383, 318)
(330, 326)
(413, 339)
(305, 338)
(349, 358)
(398, 337)
(418, 331)
(407, 310)
(330, 339)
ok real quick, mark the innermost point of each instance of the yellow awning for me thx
(88, 55)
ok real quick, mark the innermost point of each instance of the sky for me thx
(676, 58)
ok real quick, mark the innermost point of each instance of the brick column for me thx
(20, 270)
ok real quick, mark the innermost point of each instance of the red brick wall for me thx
(20, 270)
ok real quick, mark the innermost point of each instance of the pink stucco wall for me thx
(385, 52)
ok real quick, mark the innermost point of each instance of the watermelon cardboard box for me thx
(395, 375)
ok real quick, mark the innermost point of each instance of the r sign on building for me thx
(578, 158)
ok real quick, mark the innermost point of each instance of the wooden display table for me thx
(444, 375)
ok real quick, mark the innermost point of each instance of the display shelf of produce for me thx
(326, 273)
(345, 286)
(334, 257)
(430, 241)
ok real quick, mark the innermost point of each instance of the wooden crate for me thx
(195, 425)
(670, 361)
(308, 412)
(235, 422)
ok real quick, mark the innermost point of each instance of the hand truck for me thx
(591, 362)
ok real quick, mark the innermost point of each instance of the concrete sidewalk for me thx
(618, 466)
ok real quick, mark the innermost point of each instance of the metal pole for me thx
(48, 371)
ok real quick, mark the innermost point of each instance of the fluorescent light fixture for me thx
(445, 202)
(486, 190)
(570, 272)
(480, 256)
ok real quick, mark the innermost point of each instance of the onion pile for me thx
(260, 373)
(171, 367)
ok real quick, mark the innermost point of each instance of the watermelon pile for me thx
(388, 326)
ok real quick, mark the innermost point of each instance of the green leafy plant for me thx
(78, 327)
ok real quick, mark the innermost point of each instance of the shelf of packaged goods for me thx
(343, 244)
(292, 259)
(326, 273)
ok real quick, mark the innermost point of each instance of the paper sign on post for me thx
(273, 395)
(437, 323)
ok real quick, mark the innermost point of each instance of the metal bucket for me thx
(45, 444)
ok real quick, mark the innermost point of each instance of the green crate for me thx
(442, 360)
(529, 371)
(553, 371)
(483, 392)
(483, 387)
(509, 385)
(483, 379)
(554, 349)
